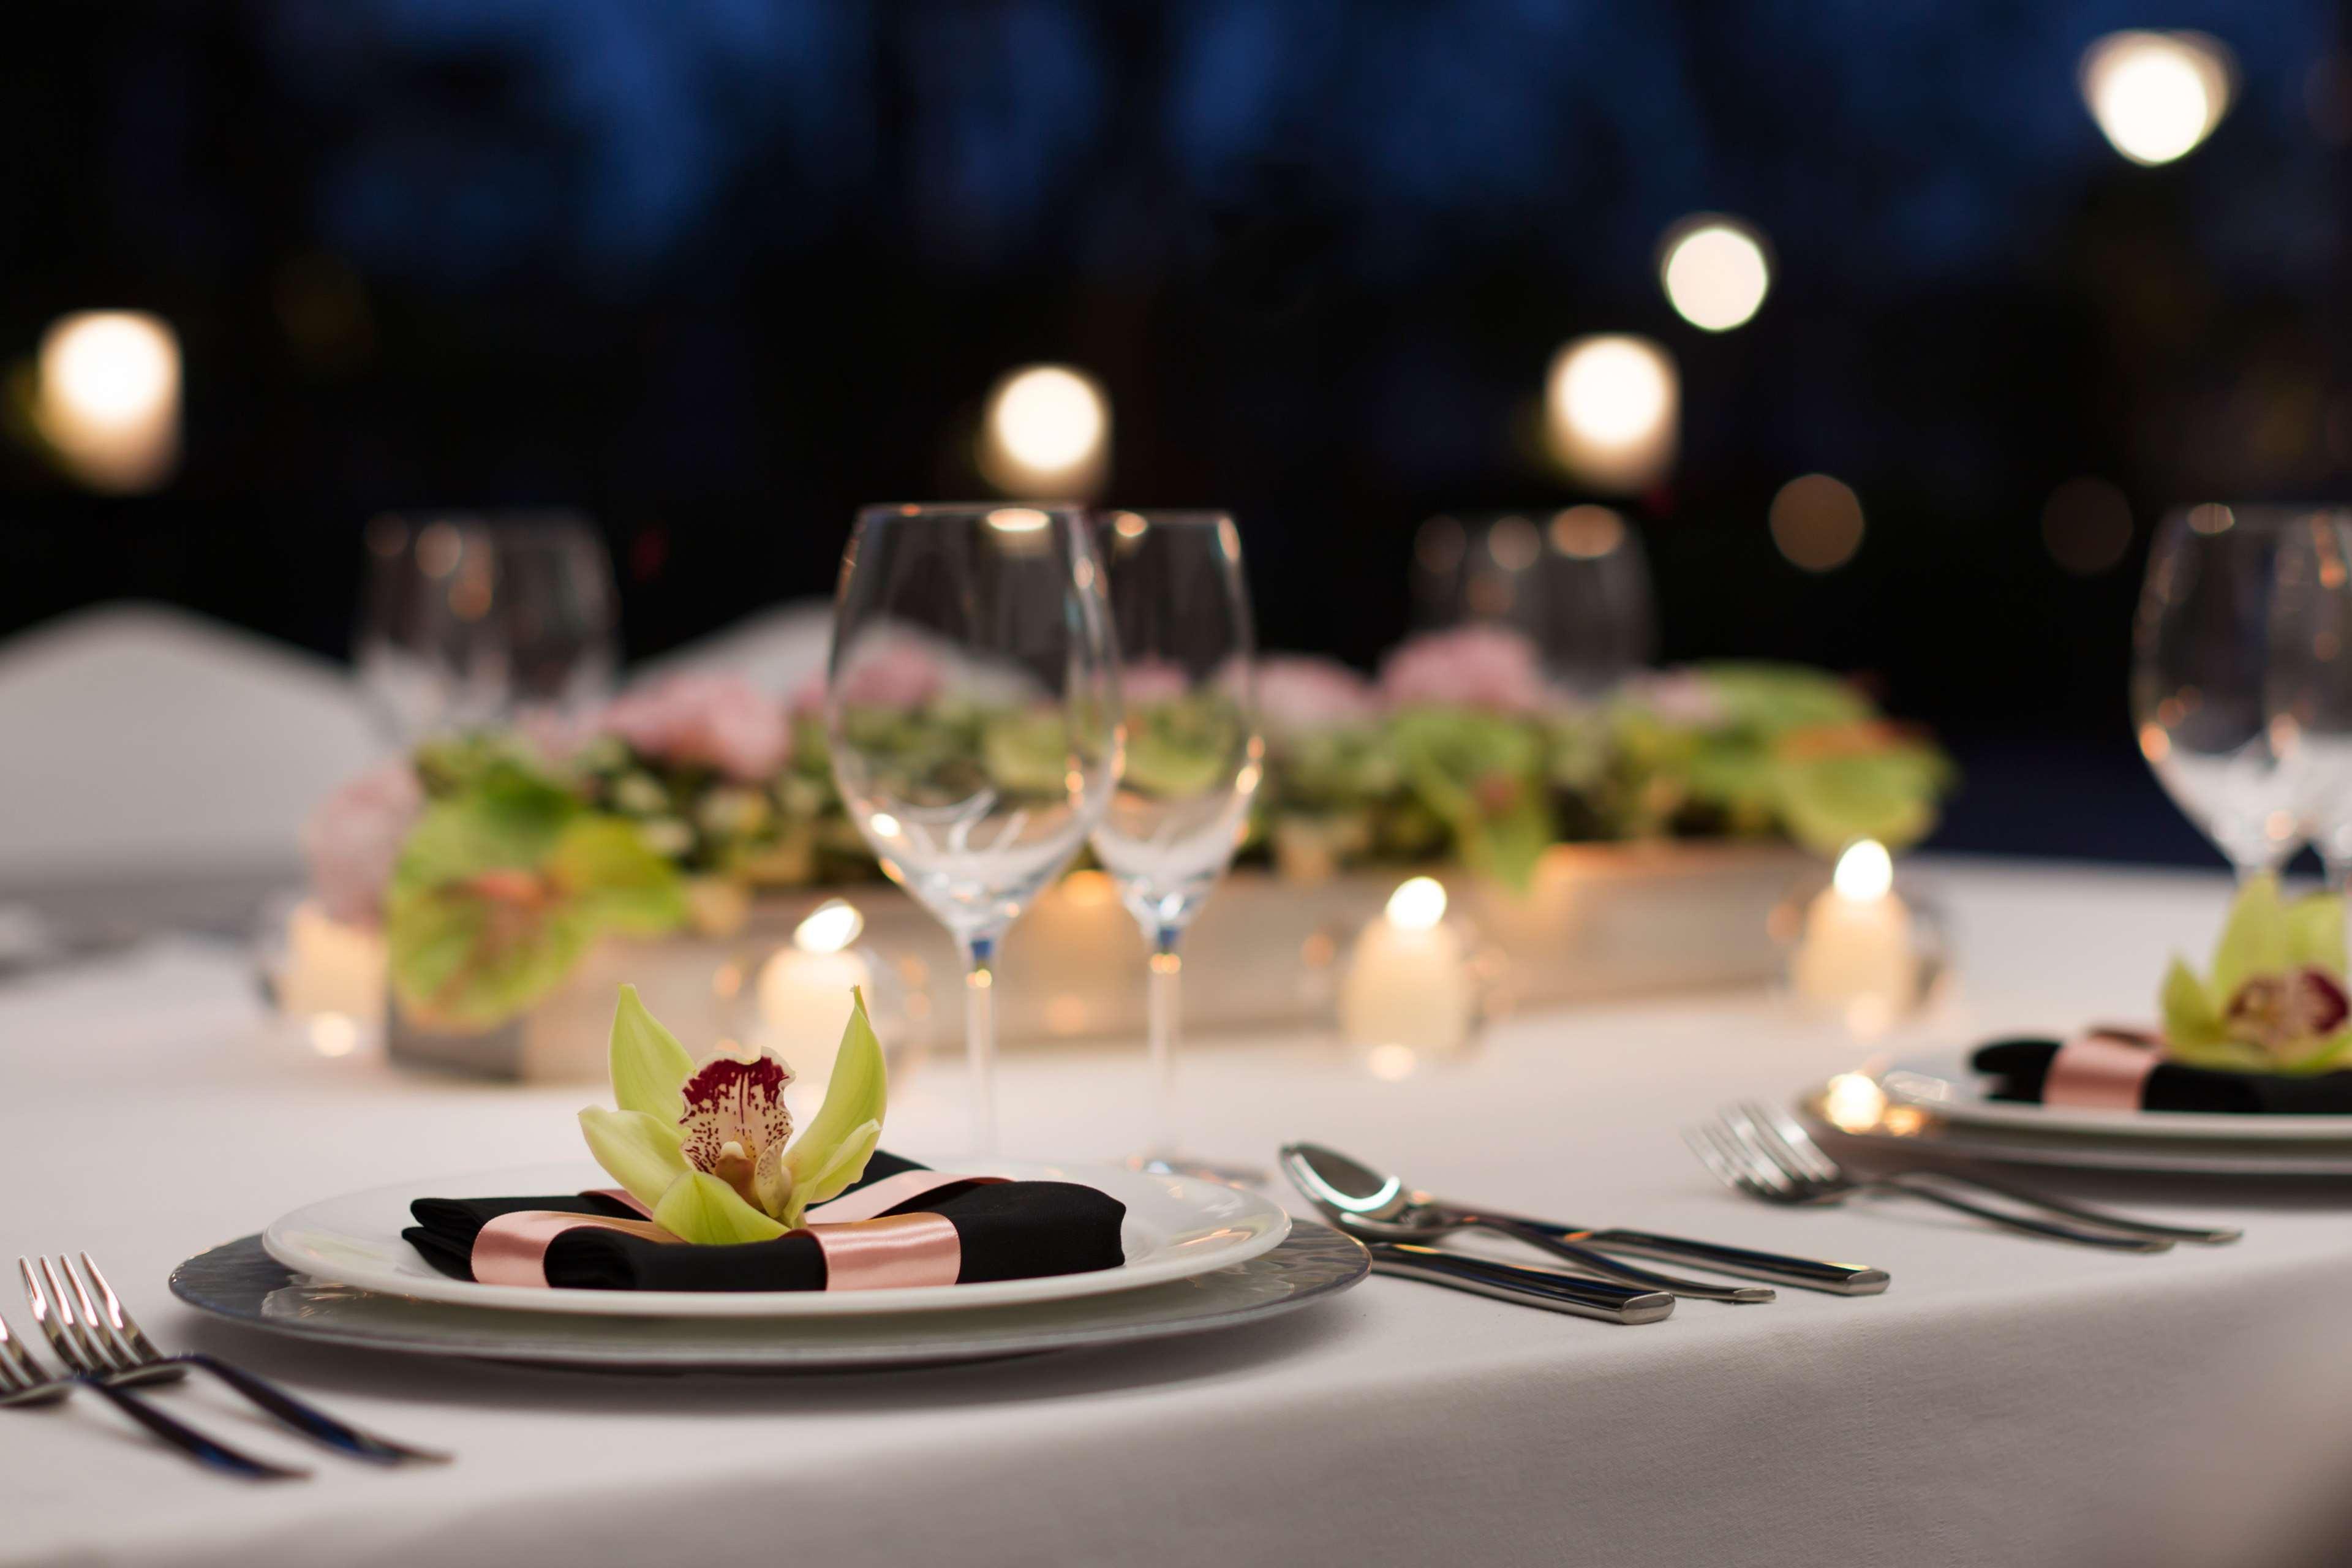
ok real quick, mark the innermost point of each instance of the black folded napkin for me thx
(2018, 1066)
(1008, 1230)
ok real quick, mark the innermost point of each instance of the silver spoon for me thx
(1369, 1204)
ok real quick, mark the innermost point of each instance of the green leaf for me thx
(468, 960)
(858, 1095)
(1028, 751)
(702, 1209)
(649, 1067)
(1482, 775)
(620, 882)
(506, 821)
(1827, 802)
(1771, 697)
(2254, 941)
(2314, 933)
(643, 1154)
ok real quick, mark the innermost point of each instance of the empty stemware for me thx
(973, 708)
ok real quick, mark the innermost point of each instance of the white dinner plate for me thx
(1908, 1131)
(1176, 1226)
(1953, 1091)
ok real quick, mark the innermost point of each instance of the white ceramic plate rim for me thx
(2192, 1157)
(1952, 1090)
(1176, 1226)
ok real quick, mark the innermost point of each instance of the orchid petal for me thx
(2254, 941)
(649, 1066)
(847, 1163)
(773, 1186)
(636, 1150)
(702, 1209)
(739, 1101)
(853, 1100)
(2191, 1019)
(2314, 933)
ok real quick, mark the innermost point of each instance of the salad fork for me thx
(117, 1353)
(24, 1381)
(1743, 1156)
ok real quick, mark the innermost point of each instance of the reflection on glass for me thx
(1193, 757)
(1573, 580)
(2225, 585)
(469, 622)
(973, 707)
(2308, 693)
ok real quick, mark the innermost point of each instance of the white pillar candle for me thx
(1857, 942)
(331, 967)
(1409, 980)
(805, 990)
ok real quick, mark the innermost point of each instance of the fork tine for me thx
(1768, 1150)
(16, 1371)
(73, 1347)
(143, 1348)
(1791, 1134)
(1771, 1177)
(45, 1317)
(1696, 1141)
(105, 1344)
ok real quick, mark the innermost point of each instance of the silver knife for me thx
(1542, 1287)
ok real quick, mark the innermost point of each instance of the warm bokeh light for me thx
(2086, 525)
(1817, 522)
(108, 398)
(1865, 871)
(1854, 1102)
(1588, 532)
(830, 927)
(1715, 271)
(1514, 543)
(1047, 433)
(1418, 904)
(2157, 95)
(1612, 405)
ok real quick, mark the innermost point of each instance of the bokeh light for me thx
(1588, 532)
(1817, 522)
(2157, 95)
(1612, 403)
(2086, 525)
(1047, 433)
(108, 398)
(1715, 270)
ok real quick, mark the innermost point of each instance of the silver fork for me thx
(120, 1354)
(1745, 1158)
(25, 1381)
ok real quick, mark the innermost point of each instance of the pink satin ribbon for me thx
(2104, 1069)
(864, 1248)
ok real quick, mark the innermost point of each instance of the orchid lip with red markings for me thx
(736, 1125)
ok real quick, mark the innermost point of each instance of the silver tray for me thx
(241, 1282)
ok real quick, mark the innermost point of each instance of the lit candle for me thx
(1857, 943)
(1409, 981)
(108, 397)
(331, 967)
(804, 990)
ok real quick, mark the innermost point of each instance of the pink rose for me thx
(720, 721)
(883, 671)
(1298, 691)
(1470, 667)
(1677, 696)
(353, 841)
(1154, 680)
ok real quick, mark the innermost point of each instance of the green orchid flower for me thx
(708, 1148)
(2276, 1000)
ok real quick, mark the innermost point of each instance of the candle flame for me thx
(1418, 904)
(830, 927)
(1854, 1102)
(1864, 872)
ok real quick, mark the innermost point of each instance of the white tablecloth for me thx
(2006, 1402)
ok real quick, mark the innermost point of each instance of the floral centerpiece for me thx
(493, 860)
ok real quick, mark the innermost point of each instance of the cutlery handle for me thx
(2112, 1240)
(1573, 1247)
(203, 1450)
(307, 1418)
(2209, 1235)
(1839, 1278)
(1542, 1287)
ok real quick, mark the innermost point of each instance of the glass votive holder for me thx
(1857, 947)
(1414, 984)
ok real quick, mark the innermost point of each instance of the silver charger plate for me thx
(242, 1283)
(1912, 1129)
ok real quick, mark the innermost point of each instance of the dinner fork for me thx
(1744, 1157)
(25, 1381)
(118, 1352)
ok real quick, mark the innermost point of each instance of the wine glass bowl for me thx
(2223, 591)
(972, 714)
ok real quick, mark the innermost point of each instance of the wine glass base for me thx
(1200, 1170)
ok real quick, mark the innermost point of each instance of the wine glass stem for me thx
(979, 1038)
(1163, 996)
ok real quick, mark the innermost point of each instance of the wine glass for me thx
(2308, 695)
(1574, 581)
(972, 706)
(1194, 754)
(467, 621)
(2212, 614)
